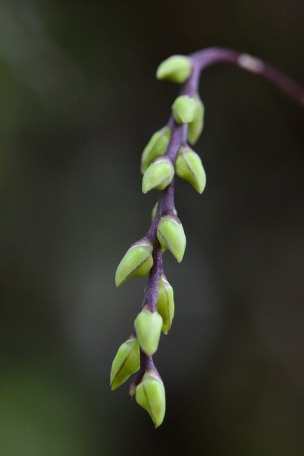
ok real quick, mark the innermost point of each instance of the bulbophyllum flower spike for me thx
(167, 156)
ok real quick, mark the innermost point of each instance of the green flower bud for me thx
(189, 166)
(137, 262)
(148, 327)
(165, 303)
(195, 127)
(175, 69)
(183, 109)
(126, 362)
(159, 175)
(150, 395)
(156, 147)
(171, 236)
(154, 210)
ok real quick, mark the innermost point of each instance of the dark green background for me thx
(78, 102)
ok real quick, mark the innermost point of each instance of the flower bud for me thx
(125, 363)
(171, 236)
(165, 303)
(154, 210)
(137, 262)
(148, 327)
(158, 175)
(150, 394)
(196, 126)
(183, 109)
(156, 147)
(175, 69)
(189, 166)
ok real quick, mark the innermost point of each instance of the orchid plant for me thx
(169, 154)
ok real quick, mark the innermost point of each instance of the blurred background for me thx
(79, 101)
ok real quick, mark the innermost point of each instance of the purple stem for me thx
(146, 364)
(207, 57)
(150, 296)
(200, 61)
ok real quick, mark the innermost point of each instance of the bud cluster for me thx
(166, 155)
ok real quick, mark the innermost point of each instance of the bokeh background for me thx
(79, 101)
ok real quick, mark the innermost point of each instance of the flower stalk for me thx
(166, 156)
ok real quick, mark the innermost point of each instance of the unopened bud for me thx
(125, 363)
(183, 109)
(175, 69)
(156, 147)
(165, 303)
(196, 126)
(148, 327)
(137, 262)
(171, 236)
(189, 166)
(150, 394)
(154, 210)
(158, 175)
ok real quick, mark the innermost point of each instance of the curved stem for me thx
(200, 61)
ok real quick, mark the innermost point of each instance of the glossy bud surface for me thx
(158, 175)
(189, 167)
(175, 69)
(183, 109)
(171, 236)
(155, 148)
(148, 326)
(136, 262)
(150, 394)
(165, 303)
(125, 363)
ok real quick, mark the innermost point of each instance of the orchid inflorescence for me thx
(169, 154)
